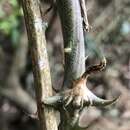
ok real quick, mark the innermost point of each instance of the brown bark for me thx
(41, 70)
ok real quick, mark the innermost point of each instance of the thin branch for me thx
(12, 89)
(84, 15)
(41, 70)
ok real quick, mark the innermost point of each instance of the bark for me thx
(37, 44)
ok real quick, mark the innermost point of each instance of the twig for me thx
(84, 15)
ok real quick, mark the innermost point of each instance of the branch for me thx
(12, 89)
(72, 28)
(41, 70)
(75, 95)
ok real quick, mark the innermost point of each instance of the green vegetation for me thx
(10, 19)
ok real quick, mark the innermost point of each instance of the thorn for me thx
(86, 57)
(96, 101)
(102, 102)
(67, 50)
(70, 98)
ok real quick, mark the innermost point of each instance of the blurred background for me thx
(109, 36)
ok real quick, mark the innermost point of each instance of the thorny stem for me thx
(75, 99)
(75, 95)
